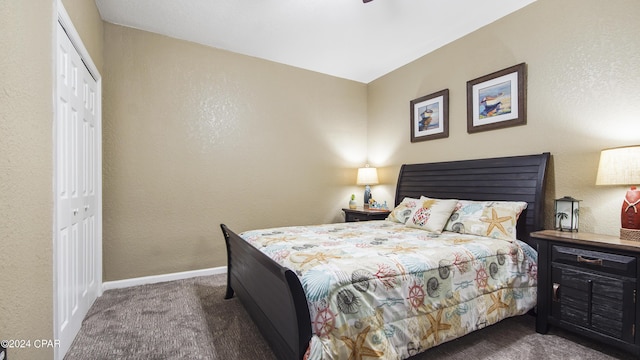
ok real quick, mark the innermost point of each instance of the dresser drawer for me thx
(356, 217)
(351, 215)
(596, 260)
(601, 303)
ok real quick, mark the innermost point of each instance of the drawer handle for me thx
(589, 261)
(556, 292)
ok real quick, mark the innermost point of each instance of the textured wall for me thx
(583, 62)
(86, 19)
(26, 167)
(195, 137)
(25, 174)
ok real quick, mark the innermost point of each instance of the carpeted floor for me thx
(189, 319)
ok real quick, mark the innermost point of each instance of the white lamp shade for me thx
(367, 176)
(619, 166)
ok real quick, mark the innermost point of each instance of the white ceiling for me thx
(343, 38)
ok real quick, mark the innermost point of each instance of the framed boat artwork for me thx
(430, 116)
(497, 100)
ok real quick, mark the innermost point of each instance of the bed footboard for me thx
(271, 294)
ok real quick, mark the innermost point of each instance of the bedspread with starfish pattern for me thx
(378, 289)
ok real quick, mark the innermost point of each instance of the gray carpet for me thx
(189, 319)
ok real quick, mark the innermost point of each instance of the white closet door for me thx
(76, 147)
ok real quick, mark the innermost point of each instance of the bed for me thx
(281, 275)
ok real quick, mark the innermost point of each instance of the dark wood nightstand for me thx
(587, 283)
(361, 214)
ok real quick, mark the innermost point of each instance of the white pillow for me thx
(431, 214)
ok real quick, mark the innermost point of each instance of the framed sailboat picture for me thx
(497, 100)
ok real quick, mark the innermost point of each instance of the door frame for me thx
(62, 17)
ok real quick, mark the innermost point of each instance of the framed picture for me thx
(497, 100)
(430, 116)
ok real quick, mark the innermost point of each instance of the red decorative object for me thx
(630, 215)
(621, 166)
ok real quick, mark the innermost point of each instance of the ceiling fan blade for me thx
(366, 1)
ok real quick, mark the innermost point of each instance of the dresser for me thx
(361, 214)
(588, 284)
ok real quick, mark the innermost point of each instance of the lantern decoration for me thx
(567, 212)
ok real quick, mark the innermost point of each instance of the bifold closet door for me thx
(76, 171)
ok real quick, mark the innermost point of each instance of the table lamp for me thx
(367, 176)
(621, 166)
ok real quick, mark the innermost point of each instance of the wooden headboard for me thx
(514, 178)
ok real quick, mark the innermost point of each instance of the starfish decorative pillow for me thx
(495, 219)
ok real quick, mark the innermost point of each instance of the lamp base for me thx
(630, 218)
(630, 234)
(367, 196)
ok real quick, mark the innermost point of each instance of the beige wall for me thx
(25, 174)
(583, 61)
(26, 168)
(195, 137)
(86, 19)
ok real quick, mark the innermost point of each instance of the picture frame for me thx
(430, 116)
(497, 100)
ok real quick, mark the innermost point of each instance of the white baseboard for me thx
(119, 284)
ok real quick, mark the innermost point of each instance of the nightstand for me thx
(587, 283)
(361, 214)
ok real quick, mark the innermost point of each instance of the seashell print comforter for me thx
(378, 289)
